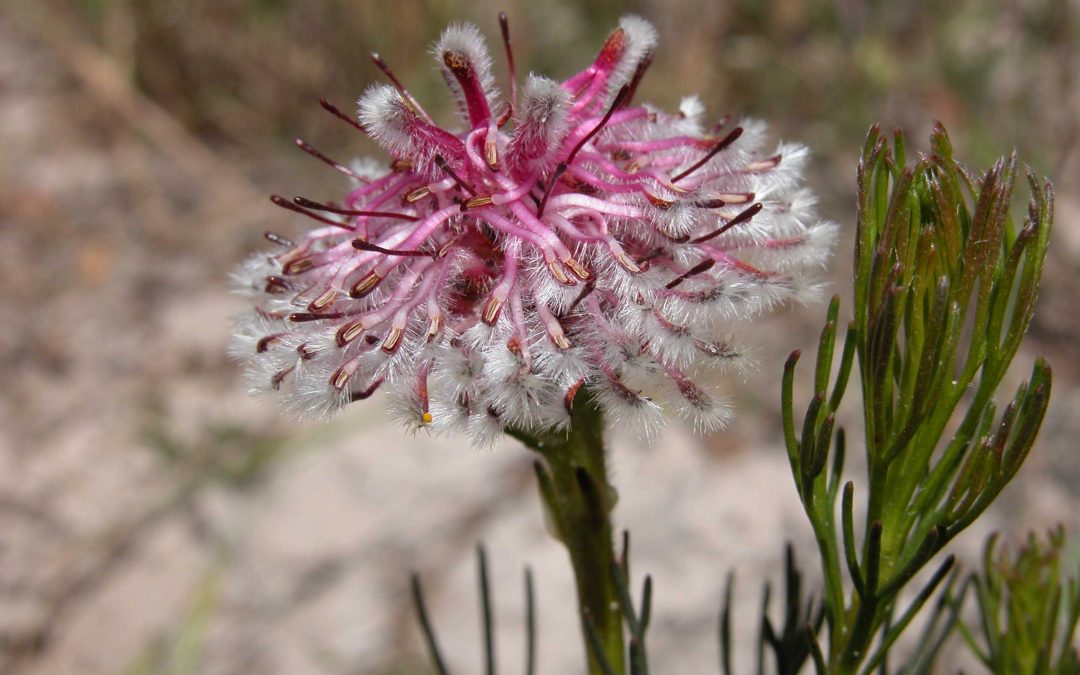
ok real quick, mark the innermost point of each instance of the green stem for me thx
(579, 499)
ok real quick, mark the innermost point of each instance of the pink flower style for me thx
(565, 239)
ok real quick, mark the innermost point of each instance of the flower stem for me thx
(578, 499)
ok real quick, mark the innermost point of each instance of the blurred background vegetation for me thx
(138, 142)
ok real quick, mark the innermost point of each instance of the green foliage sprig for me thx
(1028, 612)
(944, 289)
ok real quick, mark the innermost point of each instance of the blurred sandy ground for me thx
(155, 519)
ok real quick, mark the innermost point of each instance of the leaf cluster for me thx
(945, 285)
(1028, 612)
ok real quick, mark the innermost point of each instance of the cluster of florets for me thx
(565, 243)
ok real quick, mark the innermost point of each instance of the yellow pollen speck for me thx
(425, 417)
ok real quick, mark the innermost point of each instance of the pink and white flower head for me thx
(564, 242)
